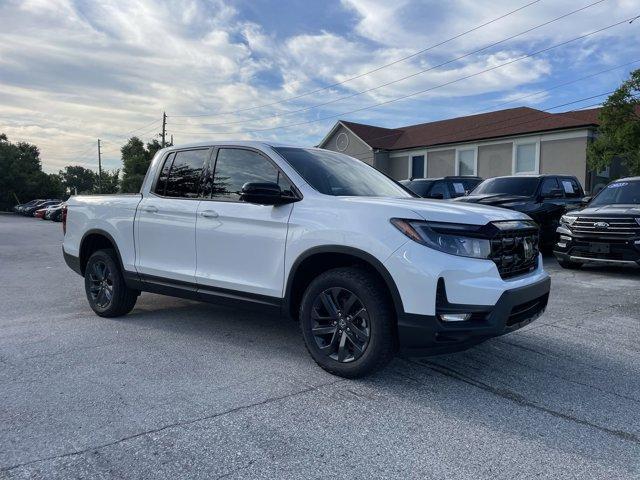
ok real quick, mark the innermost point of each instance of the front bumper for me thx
(584, 248)
(428, 335)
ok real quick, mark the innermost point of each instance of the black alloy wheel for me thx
(104, 284)
(341, 326)
(101, 284)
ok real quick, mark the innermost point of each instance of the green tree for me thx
(153, 146)
(135, 160)
(110, 181)
(78, 179)
(21, 175)
(619, 131)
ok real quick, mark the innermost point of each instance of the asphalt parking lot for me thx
(179, 389)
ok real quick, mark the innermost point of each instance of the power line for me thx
(564, 84)
(401, 79)
(419, 92)
(342, 82)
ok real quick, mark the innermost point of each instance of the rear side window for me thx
(184, 176)
(457, 188)
(161, 184)
(571, 188)
(235, 167)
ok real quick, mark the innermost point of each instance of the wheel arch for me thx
(93, 240)
(316, 260)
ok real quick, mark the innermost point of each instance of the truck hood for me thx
(439, 210)
(495, 199)
(605, 210)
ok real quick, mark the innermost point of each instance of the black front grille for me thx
(515, 252)
(620, 227)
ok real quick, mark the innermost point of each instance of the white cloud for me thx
(73, 71)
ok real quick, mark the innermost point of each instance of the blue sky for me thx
(74, 71)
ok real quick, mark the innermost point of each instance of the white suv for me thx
(363, 265)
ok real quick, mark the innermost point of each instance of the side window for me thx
(235, 167)
(457, 189)
(437, 191)
(571, 188)
(549, 184)
(161, 184)
(184, 177)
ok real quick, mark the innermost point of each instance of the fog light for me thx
(454, 317)
(562, 245)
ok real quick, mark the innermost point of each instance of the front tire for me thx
(107, 293)
(347, 322)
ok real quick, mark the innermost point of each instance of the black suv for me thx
(442, 188)
(607, 230)
(545, 198)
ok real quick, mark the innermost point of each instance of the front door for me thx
(165, 227)
(240, 246)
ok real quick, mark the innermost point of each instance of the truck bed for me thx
(114, 214)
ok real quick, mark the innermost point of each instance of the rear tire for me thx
(348, 323)
(106, 290)
(569, 264)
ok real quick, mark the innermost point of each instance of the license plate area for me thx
(599, 248)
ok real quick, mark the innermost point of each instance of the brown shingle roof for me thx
(376, 137)
(502, 123)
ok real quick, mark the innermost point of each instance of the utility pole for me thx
(99, 168)
(164, 128)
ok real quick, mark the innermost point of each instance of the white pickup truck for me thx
(364, 266)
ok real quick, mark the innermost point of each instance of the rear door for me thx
(166, 220)
(240, 246)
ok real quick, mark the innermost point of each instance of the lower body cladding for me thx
(596, 248)
(448, 303)
(453, 303)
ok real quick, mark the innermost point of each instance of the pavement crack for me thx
(169, 426)
(562, 377)
(523, 401)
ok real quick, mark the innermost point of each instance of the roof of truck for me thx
(232, 143)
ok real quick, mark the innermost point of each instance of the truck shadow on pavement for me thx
(547, 385)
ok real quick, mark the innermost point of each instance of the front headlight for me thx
(451, 238)
(568, 219)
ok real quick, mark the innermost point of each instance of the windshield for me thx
(627, 193)
(336, 174)
(524, 186)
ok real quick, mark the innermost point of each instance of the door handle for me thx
(209, 214)
(150, 209)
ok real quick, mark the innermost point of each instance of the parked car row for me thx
(49, 209)
(577, 228)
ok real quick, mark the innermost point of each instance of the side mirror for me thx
(586, 199)
(438, 196)
(263, 193)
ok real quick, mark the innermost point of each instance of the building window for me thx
(417, 166)
(466, 162)
(526, 158)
